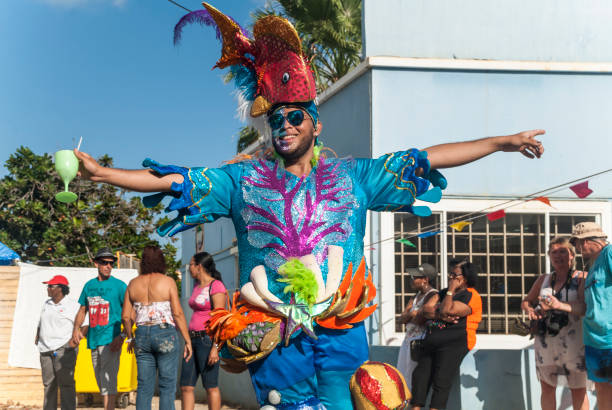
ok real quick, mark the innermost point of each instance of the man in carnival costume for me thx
(297, 323)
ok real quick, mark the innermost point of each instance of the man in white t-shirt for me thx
(58, 353)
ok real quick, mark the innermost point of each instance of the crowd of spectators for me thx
(570, 314)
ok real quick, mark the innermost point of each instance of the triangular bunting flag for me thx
(543, 199)
(428, 234)
(582, 189)
(458, 226)
(406, 242)
(494, 216)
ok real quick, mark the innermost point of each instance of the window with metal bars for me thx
(509, 252)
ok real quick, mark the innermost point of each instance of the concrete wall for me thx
(544, 30)
(346, 119)
(485, 373)
(420, 108)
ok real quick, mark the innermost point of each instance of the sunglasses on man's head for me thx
(100, 262)
(277, 120)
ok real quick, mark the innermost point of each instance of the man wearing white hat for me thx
(591, 242)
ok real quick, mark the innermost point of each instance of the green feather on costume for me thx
(300, 280)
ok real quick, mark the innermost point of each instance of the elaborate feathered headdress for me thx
(268, 69)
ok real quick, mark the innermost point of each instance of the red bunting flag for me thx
(582, 189)
(494, 216)
(543, 199)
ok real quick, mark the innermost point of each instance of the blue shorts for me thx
(198, 364)
(312, 373)
(599, 364)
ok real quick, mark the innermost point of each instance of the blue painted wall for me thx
(543, 30)
(493, 379)
(420, 108)
(346, 119)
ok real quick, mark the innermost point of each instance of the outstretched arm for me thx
(142, 180)
(460, 153)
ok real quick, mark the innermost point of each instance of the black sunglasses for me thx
(454, 275)
(277, 120)
(103, 263)
(52, 286)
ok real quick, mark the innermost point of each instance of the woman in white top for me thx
(556, 301)
(422, 279)
(152, 298)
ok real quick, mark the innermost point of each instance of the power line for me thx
(481, 213)
(179, 5)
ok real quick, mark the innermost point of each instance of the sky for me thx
(107, 70)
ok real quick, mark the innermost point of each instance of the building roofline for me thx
(464, 65)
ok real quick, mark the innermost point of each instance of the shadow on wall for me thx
(488, 379)
(492, 379)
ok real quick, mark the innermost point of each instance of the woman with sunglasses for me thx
(208, 294)
(454, 316)
(422, 279)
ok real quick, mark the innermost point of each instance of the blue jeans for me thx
(156, 350)
(198, 365)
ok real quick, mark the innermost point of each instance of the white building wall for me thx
(543, 30)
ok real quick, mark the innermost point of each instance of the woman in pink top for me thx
(209, 294)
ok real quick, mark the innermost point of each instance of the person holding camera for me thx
(555, 304)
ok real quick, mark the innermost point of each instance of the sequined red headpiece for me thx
(268, 69)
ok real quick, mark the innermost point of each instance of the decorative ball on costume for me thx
(274, 397)
(379, 386)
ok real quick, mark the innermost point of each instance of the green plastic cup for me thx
(67, 166)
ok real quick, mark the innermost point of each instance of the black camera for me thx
(556, 321)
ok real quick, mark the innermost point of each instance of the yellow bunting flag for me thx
(458, 226)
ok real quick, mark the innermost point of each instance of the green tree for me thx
(47, 232)
(246, 136)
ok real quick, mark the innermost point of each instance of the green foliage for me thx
(300, 280)
(47, 232)
(246, 136)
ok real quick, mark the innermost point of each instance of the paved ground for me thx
(155, 406)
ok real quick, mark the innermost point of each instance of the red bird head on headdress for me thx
(268, 69)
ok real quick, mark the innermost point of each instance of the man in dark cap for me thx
(102, 297)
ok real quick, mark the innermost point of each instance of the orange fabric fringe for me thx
(353, 288)
(226, 324)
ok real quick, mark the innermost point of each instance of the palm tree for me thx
(246, 136)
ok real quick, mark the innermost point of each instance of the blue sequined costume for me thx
(279, 216)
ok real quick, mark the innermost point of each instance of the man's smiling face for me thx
(290, 141)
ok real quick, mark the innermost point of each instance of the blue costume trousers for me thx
(312, 373)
